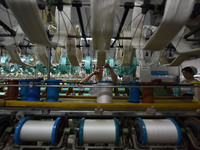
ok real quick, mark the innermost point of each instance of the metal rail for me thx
(98, 86)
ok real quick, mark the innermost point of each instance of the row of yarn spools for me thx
(29, 91)
(64, 67)
(156, 133)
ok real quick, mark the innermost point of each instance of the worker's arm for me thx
(95, 72)
(112, 73)
(86, 79)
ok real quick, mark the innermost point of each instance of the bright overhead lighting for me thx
(90, 39)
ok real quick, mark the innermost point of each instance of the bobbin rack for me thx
(79, 122)
(48, 46)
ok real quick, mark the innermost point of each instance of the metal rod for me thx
(191, 33)
(118, 113)
(127, 6)
(12, 32)
(6, 35)
(79, 36)
(192, 39)
(114, 86)
(78, 4)
(98, 86)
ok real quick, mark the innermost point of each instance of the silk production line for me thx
(48, 46)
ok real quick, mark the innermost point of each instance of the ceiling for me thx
(86, 17)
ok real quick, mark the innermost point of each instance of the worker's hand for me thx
(108, 66)
(97, 70)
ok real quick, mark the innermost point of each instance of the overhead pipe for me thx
(186, 36)
(127, 6)
(78, 36)
(12, 32)
(78, 5)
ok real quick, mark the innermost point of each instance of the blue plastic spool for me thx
(144, 132)
(80, 141)
(134, 93)
(34, 93)
(55, 131)
(24, 90)
(117, 132)
(17, 139)
(53, 92)
(178, 131)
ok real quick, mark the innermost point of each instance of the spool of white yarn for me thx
(29, 130)
(99, 131)
(32, 129)
(104, 94)
(158, 131)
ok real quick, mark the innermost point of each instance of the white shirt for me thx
(189, 90)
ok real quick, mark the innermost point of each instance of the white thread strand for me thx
(12, 50)
(172, 22)
(72, 52)
(99, 131)
(102, 22)
(161, 131)
(27, 14)
(34, 130)
(101, 58)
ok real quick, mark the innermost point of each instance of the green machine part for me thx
(88, 65)
(54, 70)
(8, 68)
(27, 69)
(5, 59)
(86, 90)
(76, 90)
(65, 66)
(65, 90)
(126, 70)
(133, 67)
(75, 70)
(16, 68)
(41, 68)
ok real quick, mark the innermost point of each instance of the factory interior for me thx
(53, 51)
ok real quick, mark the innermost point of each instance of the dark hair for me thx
(188, 69)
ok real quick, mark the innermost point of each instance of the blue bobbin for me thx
(53, 92)
(134, 92)
(24, 90)
(34, 92)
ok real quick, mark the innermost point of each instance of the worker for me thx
(188, 73)
(97, 75)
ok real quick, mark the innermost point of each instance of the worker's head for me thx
(189, 72)
(98, 73)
